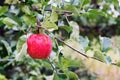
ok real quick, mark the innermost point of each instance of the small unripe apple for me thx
(39, 46)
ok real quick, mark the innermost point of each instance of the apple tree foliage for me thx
(69, 20)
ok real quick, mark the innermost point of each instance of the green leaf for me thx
(7, 46)
(29, 20)
(1, 21)
(50, 25)
(81, 3)
(20, 42)
(47, 7)
(84, 42)
(118, 64)
(72, 8)
(71, 75)
(99, 56)
(74, 2)
(86, 2)
(3, 10)
(67, 28)
(54, 17)
(105, 43)
(108, 59)
(2, 77)
(60, 76)
(84, 19)
(20, 56)
(74, 63)
(112, 21)
(86, 14)
(92, 16)
(97, 12)
(46, 64)
(76, 11)
(15, 18)
(56, 77)
(26, 9)
(64, 63)
(10, 22)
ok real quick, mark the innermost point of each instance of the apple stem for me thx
(39, 27)
(51, 63)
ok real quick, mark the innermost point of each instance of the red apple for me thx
(39, 46)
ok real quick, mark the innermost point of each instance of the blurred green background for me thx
(89, 26)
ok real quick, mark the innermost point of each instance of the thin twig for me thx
(54, 68)
(102, 61)
(72, 47)
(57, 11)
(38, 27)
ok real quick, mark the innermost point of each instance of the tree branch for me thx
(71, 47)
(57, 11)
(81, 53)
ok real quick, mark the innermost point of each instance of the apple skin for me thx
(39, 46)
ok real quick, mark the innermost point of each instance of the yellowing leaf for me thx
(37, 5)
(54, 17)
(11, 1)
(20, 42)
(51, 26)
(22, 53)
(26, 9)
(75, 32)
